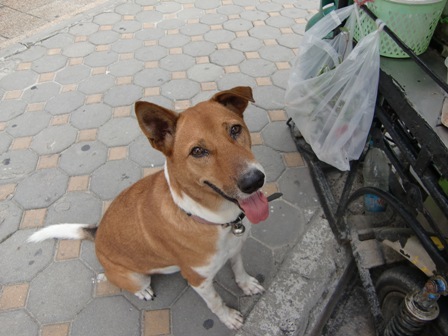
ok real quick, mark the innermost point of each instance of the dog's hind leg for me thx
(248, 284)
(139, 284)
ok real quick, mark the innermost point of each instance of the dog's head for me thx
(210, 167)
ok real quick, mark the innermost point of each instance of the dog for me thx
(186, 217)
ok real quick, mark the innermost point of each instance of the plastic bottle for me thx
(376, 174)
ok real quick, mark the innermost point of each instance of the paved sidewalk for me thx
(69, 143)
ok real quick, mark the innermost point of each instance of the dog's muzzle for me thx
(251, 181)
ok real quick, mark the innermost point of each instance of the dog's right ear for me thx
(158, 124)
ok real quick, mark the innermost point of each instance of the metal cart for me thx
(402, 292)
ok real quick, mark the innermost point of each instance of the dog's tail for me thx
(64, 231)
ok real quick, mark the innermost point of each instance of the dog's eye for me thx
(198, 152)
(235, 130)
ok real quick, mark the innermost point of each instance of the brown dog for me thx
(187, 217)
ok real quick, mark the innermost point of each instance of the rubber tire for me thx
(395, 283)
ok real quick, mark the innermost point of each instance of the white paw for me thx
(250, 286)
(232, 318)
(146, 294)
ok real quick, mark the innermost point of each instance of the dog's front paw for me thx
(146, 294)
(250, 286)
(232, 318)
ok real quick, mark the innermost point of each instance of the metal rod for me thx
(408, 51)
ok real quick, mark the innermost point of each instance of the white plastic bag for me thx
(332, 89)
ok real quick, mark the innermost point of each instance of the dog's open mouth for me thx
(255, 207)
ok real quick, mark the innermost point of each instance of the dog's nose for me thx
(251, 181)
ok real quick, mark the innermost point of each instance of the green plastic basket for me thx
(413, 21)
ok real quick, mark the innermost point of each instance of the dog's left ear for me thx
(235, 99)
(158, 124)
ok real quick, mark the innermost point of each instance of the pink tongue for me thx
(255, 207)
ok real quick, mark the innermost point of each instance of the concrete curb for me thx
(307, 281)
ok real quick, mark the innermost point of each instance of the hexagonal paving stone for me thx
(271, 161)
(5, 141)
(194, 29)
(280, 78)
(108, 316)
(290, 41)
(80, 49)
(73, 74)
(153, 53)
(213, 19)
(152, 77)
(280, 22)
(41, 92)
(149, 16)
(207, 4)
(265, 32)
(298, 189)
(127, 26)
(49, 63)
(107, 18)
(126, 68)
(283, 226)
(237, 25)
(205, 72)
(202, 323)
(166, 287)
(104, 37)
(88, 256)
(169, 24)
(32, 54)
(119, 131)
(17, 323)
(269, 97)
(246, 44)
(122, 95)
(60, 40)
(190, 13)
(225, 57)
(60, 291)
(255, 118)
(254, 15)
(10, 216)
(199, 48)
(101, 58)
(180, 89)
(128, 9)
(65, 102)
(83, 158)
(91, 116)
(54, 139)
(258, 261)
(177, 62)
(168, 7)
(84, 28)
(294, 13)
(276, 136)
(126, 46)
(17, 164)
(75, 207)
(29, 123)
(41, 189)
(18, 80)
(150, 34)
(232, 80)
(21, 261)
(258, 67)
(141, 152)
(276, 53)
(97, 84)
(113, 177)
(219, 36)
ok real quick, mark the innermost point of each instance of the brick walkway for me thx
(69, 143)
